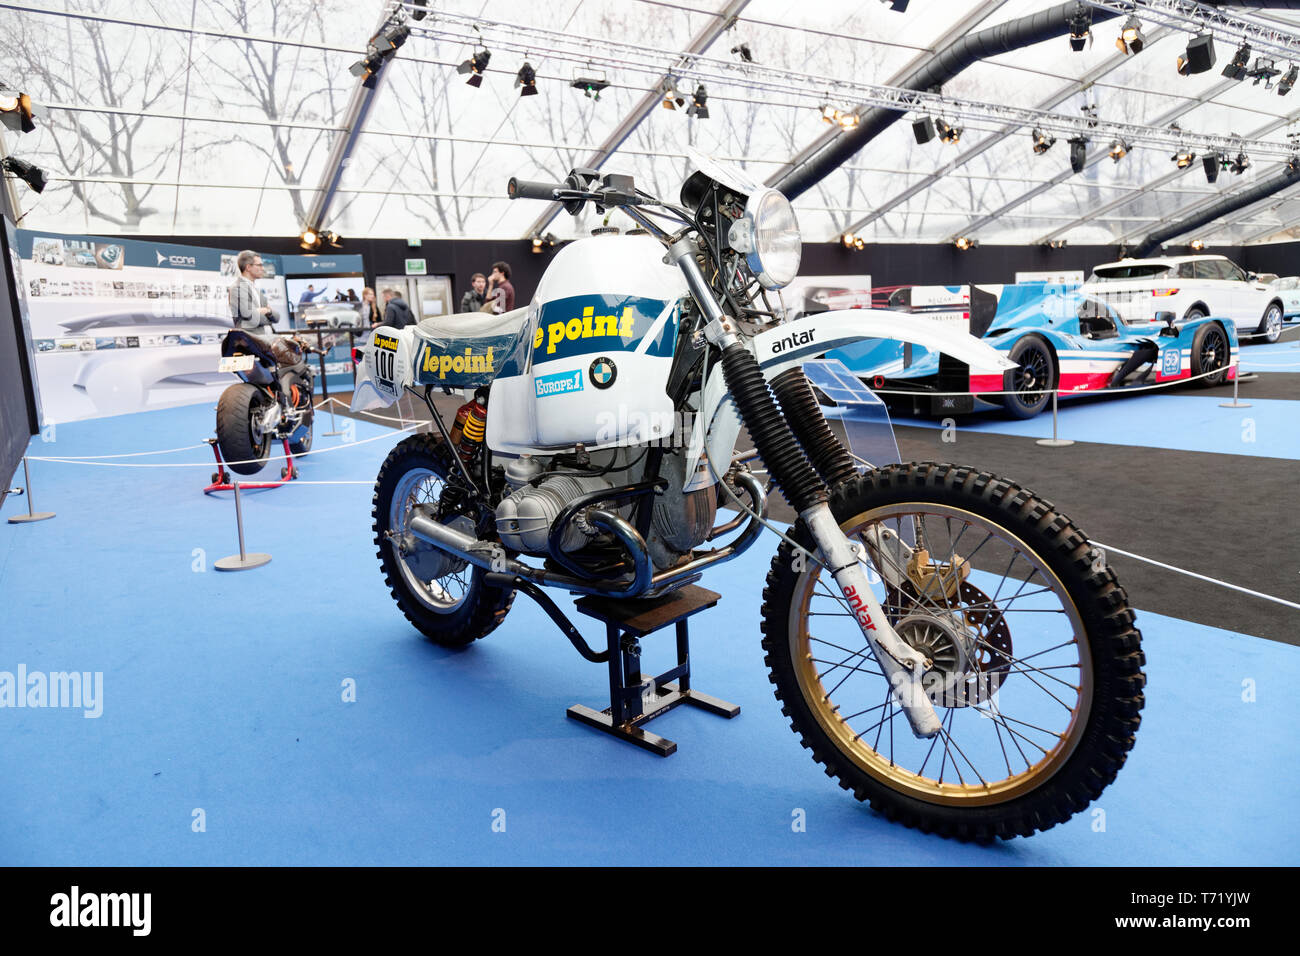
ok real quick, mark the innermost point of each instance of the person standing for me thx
(248, 308)
(503, 292)
(396, 312)
(472, 301)
(371, 317)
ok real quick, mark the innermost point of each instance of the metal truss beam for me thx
(1072, 89)
(648, 104)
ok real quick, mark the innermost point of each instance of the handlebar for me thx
(527, 189)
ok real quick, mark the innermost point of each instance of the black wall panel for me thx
(17, 405)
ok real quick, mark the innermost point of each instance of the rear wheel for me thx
(1210, 354)
(1030, 385)
(443, 596)
(244, 445)
(1037, 667)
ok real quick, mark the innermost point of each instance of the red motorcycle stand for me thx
(221, 478)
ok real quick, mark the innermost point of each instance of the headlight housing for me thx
(768, 236)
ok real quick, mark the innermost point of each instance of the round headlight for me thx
(776, 245)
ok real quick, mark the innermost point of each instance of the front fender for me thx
(792, 343)
(386, 367)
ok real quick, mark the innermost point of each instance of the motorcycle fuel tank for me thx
(599, 341)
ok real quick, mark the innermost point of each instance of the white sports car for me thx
(1287, 288)
(1191, 287)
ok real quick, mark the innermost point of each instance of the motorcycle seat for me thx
(471, 325)
(273, 350)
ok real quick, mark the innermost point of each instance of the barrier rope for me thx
(1199, 577)
(209, 464)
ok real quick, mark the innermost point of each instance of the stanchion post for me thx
(334, 430)
(1054, 441)
(1236, 378)
(242, 561)
(27, 490)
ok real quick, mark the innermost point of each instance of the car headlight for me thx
(768, 236)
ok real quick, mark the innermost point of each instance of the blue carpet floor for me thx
(1185, 422)
(223, 693)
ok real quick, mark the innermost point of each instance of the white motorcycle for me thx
(945, 642)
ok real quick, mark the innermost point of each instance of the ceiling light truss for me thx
(1225, 24)
(812, 90)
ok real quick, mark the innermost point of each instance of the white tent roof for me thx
(216, 117)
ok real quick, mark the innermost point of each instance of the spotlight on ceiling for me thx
(1287, 83)
(16, 111)
(1292, 165)
(33, 176)
(1211, 162)
(537, 245)
(847, 238)
(1131, 40)
(1265, 69)
(475, 66)
(1080, 29)
(526, 80)
(1118, 150)
(1042, 141)
(923, 129)
(742, 50)
(310, 239)
(699, 107)
(1078, 153)
(672, 99)
(962, 243)
(1054, 244)
(1239, 164)
(1196, 245)
(1184, 157)
(947, 134)
(1236, 68)
(590, 86)
(1198, 57)
(842, 118)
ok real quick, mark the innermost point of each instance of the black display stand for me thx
(626, 622)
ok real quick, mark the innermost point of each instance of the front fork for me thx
(902, 665)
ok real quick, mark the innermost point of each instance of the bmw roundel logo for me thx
(602, 372)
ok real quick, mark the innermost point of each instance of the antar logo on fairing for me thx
(790, 341)
(858, 608)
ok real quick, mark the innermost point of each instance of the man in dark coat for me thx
(396, 312)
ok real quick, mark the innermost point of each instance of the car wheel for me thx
(1030, 385)
(1194, 313)
(1271, 325)
(1210, 353)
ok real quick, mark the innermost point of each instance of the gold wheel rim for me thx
(883, 767)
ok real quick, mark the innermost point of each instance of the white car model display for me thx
(1287, 289)
(1191, 287)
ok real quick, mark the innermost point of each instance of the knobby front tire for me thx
(1037, 673)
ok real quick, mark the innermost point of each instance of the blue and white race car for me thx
(1060, 338)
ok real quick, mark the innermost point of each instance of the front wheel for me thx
(1037, 667)
(443, 596)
